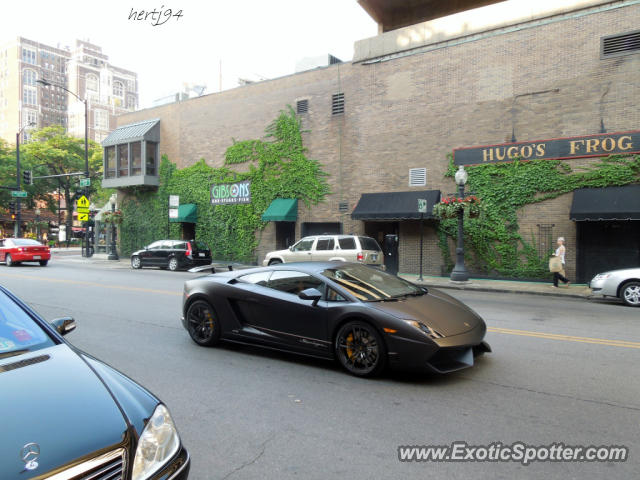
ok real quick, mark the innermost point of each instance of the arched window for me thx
(29, 77)
(118, 89)
(92, 82)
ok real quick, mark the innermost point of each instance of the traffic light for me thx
(12, 207)
(27, 177)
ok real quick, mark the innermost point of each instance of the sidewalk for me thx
(74, 255)
(503, 286)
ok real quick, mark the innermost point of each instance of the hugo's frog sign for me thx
(231, 193)
(599, 145)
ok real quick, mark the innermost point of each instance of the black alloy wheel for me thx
(136, 262)
(173, 264)
(360, 349)
(202, 323)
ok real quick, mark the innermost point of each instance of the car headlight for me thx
(430, 332)
(158, 443)
(601, 276)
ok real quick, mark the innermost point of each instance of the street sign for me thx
(174, 201)
(18, 193)
(173, 213)
(85, 182)
(82, 202)
(422, 205)
(83, 217)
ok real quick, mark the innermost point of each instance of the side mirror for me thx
(311, 294)
(291, 248)
(64, 325)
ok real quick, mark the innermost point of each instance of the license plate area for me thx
(37, 257)
(201, 254)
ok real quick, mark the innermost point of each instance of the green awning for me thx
(187, 213)
(282, 210)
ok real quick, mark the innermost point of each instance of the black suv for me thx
(172, 254)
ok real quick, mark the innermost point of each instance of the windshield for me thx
(371, 285)
(24, 241)
(19, 333)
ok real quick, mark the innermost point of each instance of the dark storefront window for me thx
(136, 158)
(152, 153)
(123, 160)
(110, 162)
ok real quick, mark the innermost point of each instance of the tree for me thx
(53, 152)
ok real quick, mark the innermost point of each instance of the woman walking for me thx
(560, 253)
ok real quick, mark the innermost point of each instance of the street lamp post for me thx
(459, 272)
(46, 83)
(113, 252)
(18, 181)
(37, 212)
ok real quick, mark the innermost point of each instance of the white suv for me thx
(320, 248)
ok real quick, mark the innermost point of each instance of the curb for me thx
(506, 290)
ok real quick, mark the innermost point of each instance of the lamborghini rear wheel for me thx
(202, 323)
(360, 349)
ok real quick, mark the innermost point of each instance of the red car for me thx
(16, 250)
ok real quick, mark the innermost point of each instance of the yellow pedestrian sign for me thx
(82, 207)
(82, 202)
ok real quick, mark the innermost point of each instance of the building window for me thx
(417, 177)
(92, 82)
(109, 162)
(337, 104)
(29, 77)
(118, 89)
(152, 157)
(131, 102)
(123, 160)
(32, 118)
(622, 44)
(29, 95)
(29, 56)
(136, 158)
(302, 106)
(101, 119)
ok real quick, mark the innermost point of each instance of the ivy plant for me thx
(278, 168)
(493, 242)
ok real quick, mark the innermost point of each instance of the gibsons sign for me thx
(231, 193)
(559, 148)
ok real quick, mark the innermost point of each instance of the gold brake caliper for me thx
(349, 343)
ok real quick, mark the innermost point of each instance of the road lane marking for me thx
(566, 338)
(92, 284)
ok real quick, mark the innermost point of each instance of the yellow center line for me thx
(566, 338)
(93, 284)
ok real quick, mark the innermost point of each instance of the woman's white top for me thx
(560, 253)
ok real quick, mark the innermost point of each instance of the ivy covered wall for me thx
(277, 167)
(494, 244)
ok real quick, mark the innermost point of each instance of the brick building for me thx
(83, 69)
(386, 121)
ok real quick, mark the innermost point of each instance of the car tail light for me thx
(360, 256)
(21, 249)
(189, 251)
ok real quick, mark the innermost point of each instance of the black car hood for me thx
(58, 403)
(439, 311)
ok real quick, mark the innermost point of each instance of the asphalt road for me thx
(562, 370)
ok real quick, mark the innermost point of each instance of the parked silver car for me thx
(323, 248)
(624, 284)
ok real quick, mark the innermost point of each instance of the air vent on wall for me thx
(343, 207)
(302, 106)
(417, 177)
(623, 44)
(337, 104)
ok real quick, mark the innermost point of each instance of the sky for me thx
(251, 38)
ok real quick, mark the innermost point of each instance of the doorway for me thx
(285, 234)
(604, 245)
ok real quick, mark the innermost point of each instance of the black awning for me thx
(610, 203)
(394, 205)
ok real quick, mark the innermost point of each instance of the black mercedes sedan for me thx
(67, 415)
(363, 317)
